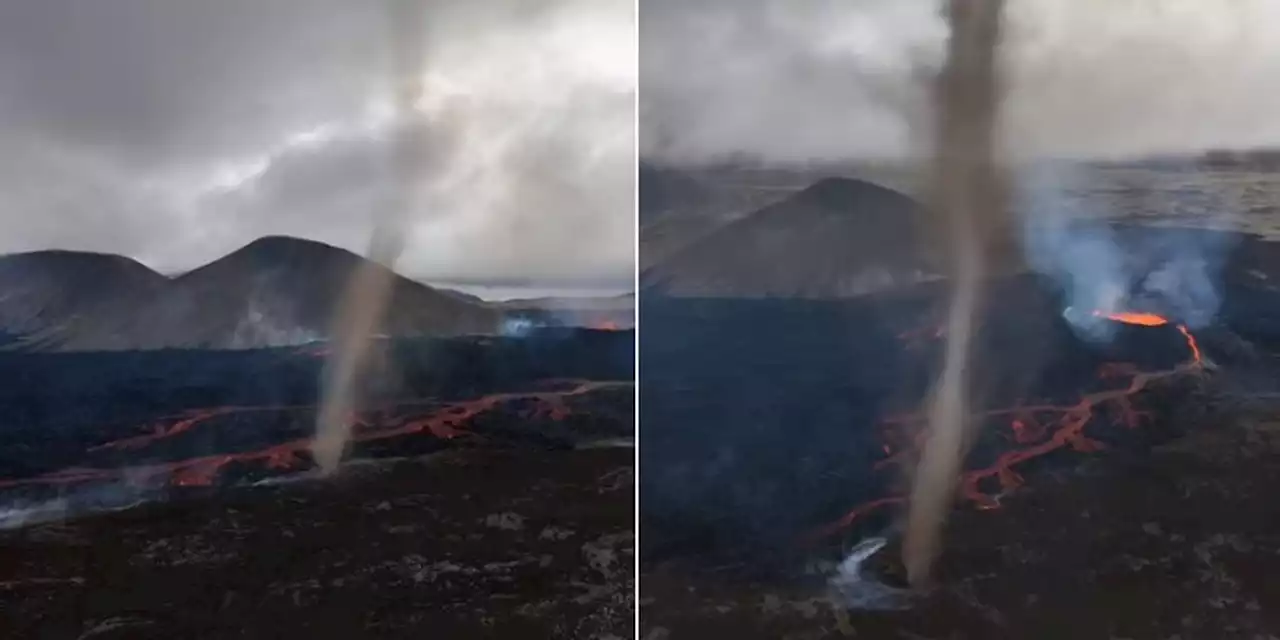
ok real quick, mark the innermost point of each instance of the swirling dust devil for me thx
(363, 304)
(971, 210)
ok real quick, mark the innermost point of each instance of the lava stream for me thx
(1064, 426)
(1140, 319)
(444, 422)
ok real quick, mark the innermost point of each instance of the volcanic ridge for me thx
(274, 291)
(839, 237)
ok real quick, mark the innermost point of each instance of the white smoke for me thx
(259, 327)
(1063, 242)
(518, 327)
(21, 515)
(1070, 238)
(851, 589)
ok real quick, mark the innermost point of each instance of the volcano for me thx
(777, 433)
(780, 429)
(839, 237)
(275, 291)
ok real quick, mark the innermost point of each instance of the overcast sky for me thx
(175, 131)
(795, 80)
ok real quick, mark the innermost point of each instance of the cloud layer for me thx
(797, 80)
(177, 130)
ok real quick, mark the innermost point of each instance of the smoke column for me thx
(362, 306)
(969, 203)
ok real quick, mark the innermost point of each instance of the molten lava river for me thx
(102, 431)
(768, 421)
(1026, 431)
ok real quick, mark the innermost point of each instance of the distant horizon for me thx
(507, 293)
(756, 162)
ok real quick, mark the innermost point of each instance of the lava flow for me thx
(1035, 430)
(1140, 319)
(441, 420)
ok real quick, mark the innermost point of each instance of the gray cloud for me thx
(177, 130)
(794, 80)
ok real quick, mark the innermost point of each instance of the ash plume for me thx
(969, 204)
(361, 309)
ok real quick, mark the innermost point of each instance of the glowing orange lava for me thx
(1141, 319)
(440, 420)
(1040, 429)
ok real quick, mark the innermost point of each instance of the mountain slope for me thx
(838, 237)
(274, 291)
(40, 290)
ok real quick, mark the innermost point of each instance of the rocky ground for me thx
(465, 543)
(1178, 544)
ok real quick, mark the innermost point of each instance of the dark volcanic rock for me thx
(839, 237)
(518, 524)
(275, 291)
(1180, 543)
(63, 407)
(64, 290)
(462, 545)
(764, 417)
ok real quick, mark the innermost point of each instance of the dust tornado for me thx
(362, 306)
(970, 206)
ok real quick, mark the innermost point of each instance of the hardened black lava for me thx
(125, 414)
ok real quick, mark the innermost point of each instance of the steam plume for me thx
(970, 206)
(1101, 269)
(362, 306)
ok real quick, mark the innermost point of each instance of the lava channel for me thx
(445, 421)
(1036, 430)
